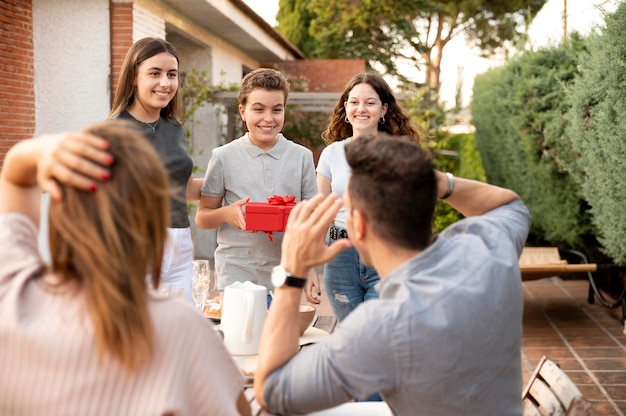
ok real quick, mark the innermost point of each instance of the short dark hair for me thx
(263, 78)
(393, 183)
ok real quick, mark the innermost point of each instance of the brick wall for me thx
(322, 75)
(17, 75)
(121, 38)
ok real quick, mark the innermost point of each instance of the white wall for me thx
(72, 87)
(72, 63)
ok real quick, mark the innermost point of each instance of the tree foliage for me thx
(597, 129)
(519, 111)
(292, 17)
(389, 34)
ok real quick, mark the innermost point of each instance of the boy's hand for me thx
(234, 214)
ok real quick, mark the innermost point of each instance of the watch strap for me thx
(293, 281)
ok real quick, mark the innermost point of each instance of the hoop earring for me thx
(382, 120)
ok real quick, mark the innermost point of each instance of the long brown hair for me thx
(107, 241)
(141, 50)
(397, 120)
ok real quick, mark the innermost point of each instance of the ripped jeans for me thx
(348, 282)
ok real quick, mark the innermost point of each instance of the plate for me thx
(312, 335)
(213, 305)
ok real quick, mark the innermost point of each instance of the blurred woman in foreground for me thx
(84, 335)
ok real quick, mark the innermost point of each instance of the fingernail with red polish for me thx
(106, 176)
(92, 187)
(108, 160)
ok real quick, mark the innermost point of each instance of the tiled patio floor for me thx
(585, 340)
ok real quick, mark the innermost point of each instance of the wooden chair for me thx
(551, 392)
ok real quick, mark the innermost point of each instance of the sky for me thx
(545, 30)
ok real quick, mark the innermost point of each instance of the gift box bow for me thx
(282, 200)
(287, 200)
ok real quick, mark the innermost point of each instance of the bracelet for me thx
(450, 185)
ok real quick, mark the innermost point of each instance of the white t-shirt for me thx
(333, 165)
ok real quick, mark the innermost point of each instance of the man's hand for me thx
(303, 245)
(303, 248)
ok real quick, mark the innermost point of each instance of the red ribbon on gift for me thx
(280, 200)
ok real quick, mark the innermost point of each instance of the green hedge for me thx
(551, 125)
(519, 113)
(597, 131)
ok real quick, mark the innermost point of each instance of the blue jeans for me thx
(348, 282)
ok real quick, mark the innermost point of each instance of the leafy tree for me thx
(519, 111)
(596, 132)
(292, 16)
(387, 34)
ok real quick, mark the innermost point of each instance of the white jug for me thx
(243, 314)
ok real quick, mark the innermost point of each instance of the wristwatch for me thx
(281, 277)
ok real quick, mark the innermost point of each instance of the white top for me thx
(334, 165)
(48, 361)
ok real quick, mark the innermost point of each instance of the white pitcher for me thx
(243, 314)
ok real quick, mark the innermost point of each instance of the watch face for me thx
(279, 274)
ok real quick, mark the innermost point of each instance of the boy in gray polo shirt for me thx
(258, 165)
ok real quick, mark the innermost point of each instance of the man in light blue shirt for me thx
(444, 337)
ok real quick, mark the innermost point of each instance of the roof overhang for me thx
(236, 23)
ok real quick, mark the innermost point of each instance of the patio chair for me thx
(551, 392)
(540, 262)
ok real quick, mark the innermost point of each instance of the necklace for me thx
(153, 126)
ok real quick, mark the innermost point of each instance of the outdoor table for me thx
(325, 323)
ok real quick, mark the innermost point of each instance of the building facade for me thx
(60, 60)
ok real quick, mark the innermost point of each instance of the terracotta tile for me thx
(553, 353)
(570, 365)
(611, 377)
(604, 409)
(621, 405)
(606, 364)
(592, 342)
(617, 392)
(591, 392)
(543, 342)
(580, 377)
(574, 323)
(539, 332)
(601, 352)
(593, 331)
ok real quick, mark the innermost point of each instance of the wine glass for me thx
(200, 282)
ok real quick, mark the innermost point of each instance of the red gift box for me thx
(269, 216)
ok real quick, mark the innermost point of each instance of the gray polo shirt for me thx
(238, 170)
